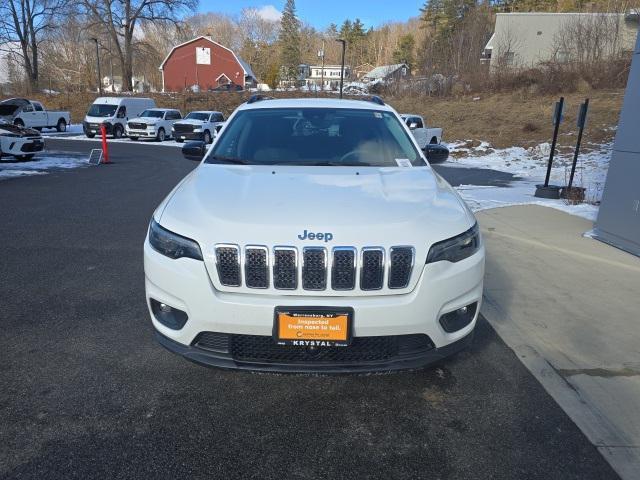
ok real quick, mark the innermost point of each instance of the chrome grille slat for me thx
(372, 268)
(256, 266)
(343, 268)
(285, 268)
(400, 266)
(314, 268)
(228, 265)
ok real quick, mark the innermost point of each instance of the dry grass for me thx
(503, 119)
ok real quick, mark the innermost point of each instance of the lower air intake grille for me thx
(228, 265)
(256, 267)
(314, 268)
(401, 259)
(372, 273)
(255, 348)
(216, 342)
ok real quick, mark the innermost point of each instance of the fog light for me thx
(167, 315)
(458, 319)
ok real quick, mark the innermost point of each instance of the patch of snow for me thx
(529, 165)
(41, 165)
(83, 138)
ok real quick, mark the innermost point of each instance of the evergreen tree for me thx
(404, 52)
(289, 39)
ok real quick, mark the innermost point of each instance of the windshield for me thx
(152, 113)
(315, 136)
(197, 116)
(101, 110)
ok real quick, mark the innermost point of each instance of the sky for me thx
(321, 13)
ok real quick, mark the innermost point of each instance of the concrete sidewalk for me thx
(569, 306)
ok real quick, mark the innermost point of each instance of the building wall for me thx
(181, 68)
(619, 216)
(532, 38)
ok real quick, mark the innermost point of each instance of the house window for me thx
(404, 71)
(223, 80)
(562, 56)
(509, 58)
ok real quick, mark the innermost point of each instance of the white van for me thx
(113, 112)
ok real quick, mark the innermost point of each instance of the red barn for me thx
(204, 63)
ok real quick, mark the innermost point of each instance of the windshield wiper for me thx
(235, 161)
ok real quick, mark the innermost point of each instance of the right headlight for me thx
(456, 248)
(171, 244)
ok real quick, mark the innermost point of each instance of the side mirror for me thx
(436, 153)
(413, 125)
(194, 150)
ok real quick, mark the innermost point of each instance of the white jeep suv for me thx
(153, 123)
(313, 237)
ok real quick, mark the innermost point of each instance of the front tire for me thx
(62, 125)
(179, 140)
(24, 158)
(117, 131)
(90, 135)
(133, 139)
(161, 136)
(434, 141)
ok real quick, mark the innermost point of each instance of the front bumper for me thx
(184, 284)
(221, 359)
(22, 146)
(148, 133)
(94, 128)
(189, 135)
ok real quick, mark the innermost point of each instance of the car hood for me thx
(273, 205)
(145, 119)
(10, 129)
(191, 122)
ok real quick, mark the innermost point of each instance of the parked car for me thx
(113, 113)
(19, 141)
(32, 114)
(414, 122)
(154, 123)
(313, 237)
(202, 125)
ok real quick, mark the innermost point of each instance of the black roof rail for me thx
(376, 99)
(258, 98)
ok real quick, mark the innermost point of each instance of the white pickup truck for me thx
(32, 114)
(201, 125)
(419, 128)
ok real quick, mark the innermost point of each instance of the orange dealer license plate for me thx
(313, 326)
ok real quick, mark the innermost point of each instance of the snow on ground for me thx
(83, 138)
(73, 129)
(530, 165)
(41, 165)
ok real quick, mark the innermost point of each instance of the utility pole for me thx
(344, 47)
(322, 70)
(98, 60)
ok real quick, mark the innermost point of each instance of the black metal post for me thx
(344, 47)
(582, 120)
(98, 60)
(556, 120)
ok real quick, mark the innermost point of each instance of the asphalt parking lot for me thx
(85, 392)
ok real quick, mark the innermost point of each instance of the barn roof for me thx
(384, 71)
(245, 66)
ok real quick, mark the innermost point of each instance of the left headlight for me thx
(456, 248)
(171, 244)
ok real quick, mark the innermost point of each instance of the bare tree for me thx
(121, 19)
(25, 23)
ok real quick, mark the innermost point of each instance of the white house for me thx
(527, 39)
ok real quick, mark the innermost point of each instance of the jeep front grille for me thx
(285, 268)
(372, 272)
(338, 269)
(228, 265)
(314, 268)
(401, 261)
